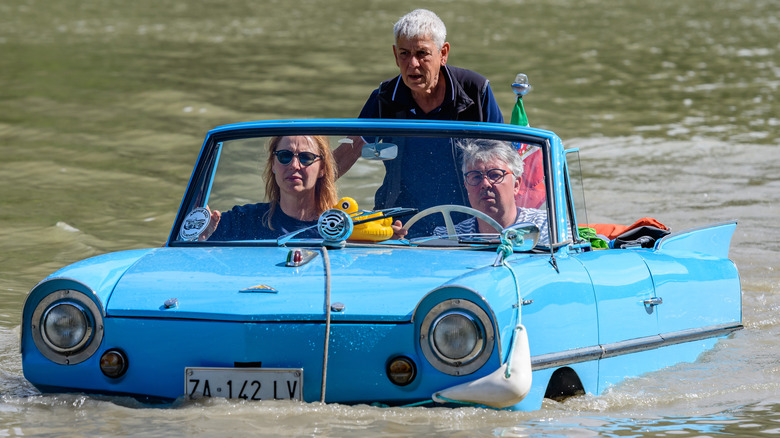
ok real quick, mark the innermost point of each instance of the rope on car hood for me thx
(506, 249)
(326, 262)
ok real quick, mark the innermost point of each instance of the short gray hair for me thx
(483, 150)
(421, 23)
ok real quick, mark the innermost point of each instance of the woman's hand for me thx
(212, 226)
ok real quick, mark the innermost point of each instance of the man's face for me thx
(420, 61)
(497, 200)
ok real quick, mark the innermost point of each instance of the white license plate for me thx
(244, 383)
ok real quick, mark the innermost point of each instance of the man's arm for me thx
(347, 154)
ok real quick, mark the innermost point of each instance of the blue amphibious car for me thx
(342, 313)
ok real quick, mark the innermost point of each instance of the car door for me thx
(626, 302)
(625, 296)
(627, 315)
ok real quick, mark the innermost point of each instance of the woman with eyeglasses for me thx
(492, 172)
(300, 184)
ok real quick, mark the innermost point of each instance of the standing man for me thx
(426, 172)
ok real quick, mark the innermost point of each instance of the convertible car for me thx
(347, 311)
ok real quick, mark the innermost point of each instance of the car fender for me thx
(94, 276)
(713, 240)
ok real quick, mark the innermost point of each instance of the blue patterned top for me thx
(535, 216)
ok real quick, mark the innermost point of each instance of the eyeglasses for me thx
(495, 176)
(305, 158)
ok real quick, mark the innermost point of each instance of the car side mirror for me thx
(379, 151)
(523, 236)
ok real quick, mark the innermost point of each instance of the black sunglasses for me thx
(495, 176)
(305, 158)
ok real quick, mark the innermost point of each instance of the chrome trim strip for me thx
(632, 346)
(566, 357)
(691, 335)
(597, 352)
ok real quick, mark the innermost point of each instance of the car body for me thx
(500, 320)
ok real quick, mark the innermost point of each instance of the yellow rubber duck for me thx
(374, 231)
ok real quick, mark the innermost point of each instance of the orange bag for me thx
(611, 231)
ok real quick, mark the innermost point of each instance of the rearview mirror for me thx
(379, 151)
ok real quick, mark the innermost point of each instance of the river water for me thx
(673, 104)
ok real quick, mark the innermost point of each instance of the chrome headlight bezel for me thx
(475, 320)
(89, 318)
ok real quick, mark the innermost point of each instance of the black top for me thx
(246, 222)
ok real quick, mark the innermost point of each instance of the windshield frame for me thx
(206, 165)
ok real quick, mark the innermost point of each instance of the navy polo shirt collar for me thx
(454, 95)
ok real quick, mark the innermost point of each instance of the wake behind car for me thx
(345, 309)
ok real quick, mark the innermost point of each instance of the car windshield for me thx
(258, 189)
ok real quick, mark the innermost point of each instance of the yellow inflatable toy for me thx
(373, 231)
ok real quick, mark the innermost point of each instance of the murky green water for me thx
(104, 104)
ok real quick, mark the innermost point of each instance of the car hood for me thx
(254, 283)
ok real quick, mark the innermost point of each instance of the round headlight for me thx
(457, 337)
(67, 326)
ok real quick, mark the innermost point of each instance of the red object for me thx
(532, 192)
(613, 230)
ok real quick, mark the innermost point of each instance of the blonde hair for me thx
(324, 190)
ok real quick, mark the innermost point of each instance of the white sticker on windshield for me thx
(196, 221)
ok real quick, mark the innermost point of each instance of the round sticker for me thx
(196, 221)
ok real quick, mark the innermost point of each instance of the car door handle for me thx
(653, 301)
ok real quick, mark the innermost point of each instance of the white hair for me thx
(480, 150)
(421, 23)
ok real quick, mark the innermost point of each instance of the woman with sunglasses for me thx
(492, 172)
(300, 184)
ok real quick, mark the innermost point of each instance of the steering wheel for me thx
(446, 211)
